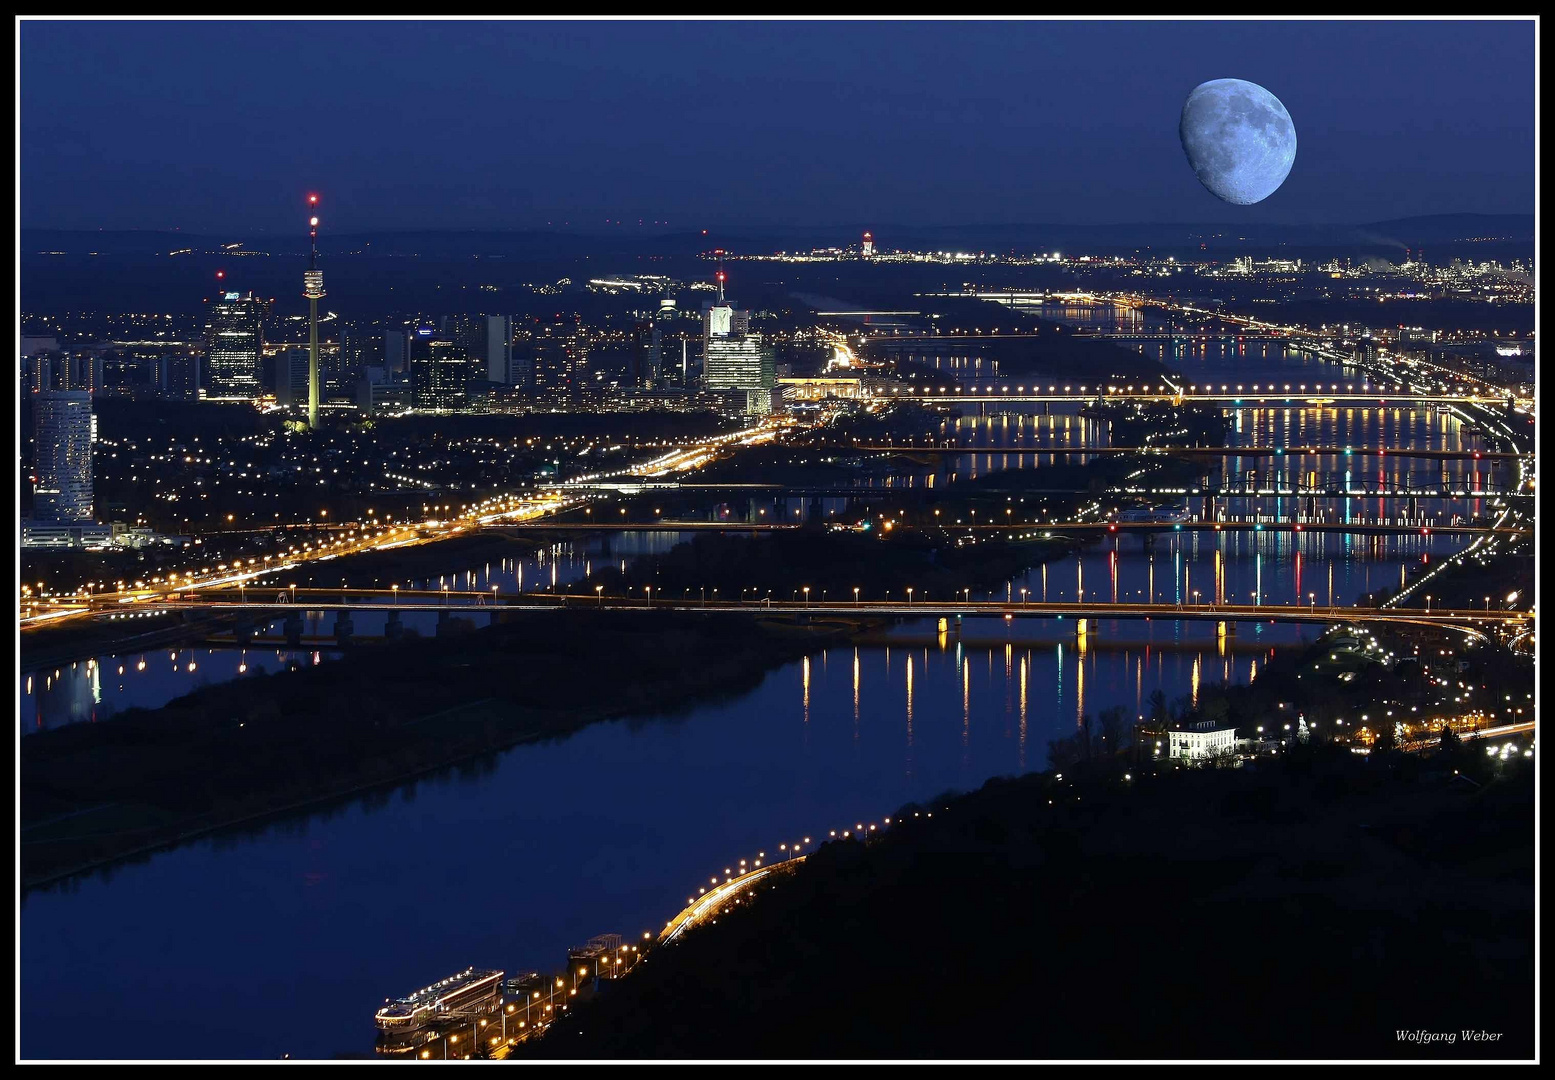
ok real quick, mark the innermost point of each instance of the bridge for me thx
(1025, 530)
(1300, 399)
(841, 490)
(1204, 451)
(291, 601)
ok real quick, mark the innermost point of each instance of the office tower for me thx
(361, 347)
(499, 349)
(487, 340)
(396, 351)
(655, 362)
(62, 455)
(293, 375)
(234, 341)
(733, 358)
(558, 356)
(440, 379)
(177, 376)
(741, 362)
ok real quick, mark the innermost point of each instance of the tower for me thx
(313, 288)
(869, 246)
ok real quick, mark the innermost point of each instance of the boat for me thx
(471, 990)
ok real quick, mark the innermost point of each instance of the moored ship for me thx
(473, 990)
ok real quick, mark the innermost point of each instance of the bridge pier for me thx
(292, 628)
(243, 632)
(343, 628)
(442, 622)
(394, 628)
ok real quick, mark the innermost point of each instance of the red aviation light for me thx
(220, 274)
(312, 199)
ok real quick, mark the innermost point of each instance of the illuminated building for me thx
(868, 250)
(733, 358)
(439, 381)
(62, 456)
(234, 341)
(487, 340)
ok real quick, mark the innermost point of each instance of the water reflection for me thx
(322, 916)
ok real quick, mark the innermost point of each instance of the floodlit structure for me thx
(313, 289)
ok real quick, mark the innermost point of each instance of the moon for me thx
(1239, 140)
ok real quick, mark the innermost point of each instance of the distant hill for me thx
(1436, 230)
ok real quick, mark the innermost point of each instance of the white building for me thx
(1201, 741)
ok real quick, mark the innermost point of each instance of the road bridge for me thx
(289, 601)
(1201, 451)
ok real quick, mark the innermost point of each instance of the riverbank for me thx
(238, 752)
(1319, 905)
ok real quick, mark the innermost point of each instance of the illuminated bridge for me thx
(1206, 451)
(275, 602)
(1272, 398)
(1027, 531)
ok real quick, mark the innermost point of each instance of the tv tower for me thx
(313, 288)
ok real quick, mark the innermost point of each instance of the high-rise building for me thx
(177, 376)
(741, 362)
(291, 378)
(396, 351)
(558, 356)
(733, 358)
(65, 371)
(487, 340)
(868, 250)
(440, 380)
(654, 363)
(234, 341)
(62, 455)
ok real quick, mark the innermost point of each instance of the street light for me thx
(855, 596)
(599, 595)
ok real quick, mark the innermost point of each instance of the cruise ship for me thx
(472, 990)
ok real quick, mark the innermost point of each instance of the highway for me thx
(708, 905)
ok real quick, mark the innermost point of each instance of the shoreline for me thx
(524, 726)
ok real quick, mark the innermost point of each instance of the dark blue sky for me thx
(222, 126)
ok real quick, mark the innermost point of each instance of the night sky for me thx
(413, 125)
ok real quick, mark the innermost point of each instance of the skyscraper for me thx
(396, 351)
(292, 368)
(177, 376)
(487, 340)
(733, 358)
(440, 380)
(62, 455)
(234, 340)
